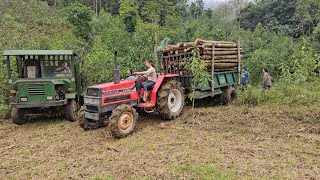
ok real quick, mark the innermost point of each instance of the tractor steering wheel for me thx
(142, 78)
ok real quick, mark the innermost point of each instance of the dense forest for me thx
(283, 35)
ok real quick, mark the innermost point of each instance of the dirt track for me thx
(213, 143)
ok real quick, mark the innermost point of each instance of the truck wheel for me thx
(230, 96)
(170, 99)
(123, 120)
(71, 110)
(17, 116)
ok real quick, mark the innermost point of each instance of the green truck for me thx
(43, 82)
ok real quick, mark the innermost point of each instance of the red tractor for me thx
(116, 103)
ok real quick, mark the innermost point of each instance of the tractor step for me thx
(149, 110)
(146, 105)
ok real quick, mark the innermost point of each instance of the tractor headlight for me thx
(92, 101)
(49, 98)
(23, 99)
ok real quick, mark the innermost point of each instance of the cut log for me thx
(179, 44)
(189, 44)
(222, 65)
(209, 45)
(226, 57)
(220, 52)
(222, 61)
(208, 57)
(201, 41)
(221, 49)
(226, 45)
(206, 45)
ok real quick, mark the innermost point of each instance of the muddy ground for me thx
(208, 143)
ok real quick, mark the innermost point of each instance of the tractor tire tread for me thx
(162, 98)
(113, 120)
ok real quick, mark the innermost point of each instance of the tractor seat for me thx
(150, 88)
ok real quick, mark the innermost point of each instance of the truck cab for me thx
(43, 82)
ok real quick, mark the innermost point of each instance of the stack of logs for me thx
(225, 55)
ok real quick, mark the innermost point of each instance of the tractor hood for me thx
(112, 88)
(43, 80)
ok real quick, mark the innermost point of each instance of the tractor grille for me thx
(93, 92)
(92, 108)
(117, 98)
(37, 89)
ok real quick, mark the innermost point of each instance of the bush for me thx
(283, 93)
(4, 111)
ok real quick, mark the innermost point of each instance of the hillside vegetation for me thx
(268, 135)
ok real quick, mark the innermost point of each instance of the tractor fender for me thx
(161, 78)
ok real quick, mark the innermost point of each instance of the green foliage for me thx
(129, 13)
(292, 17)
(300, 65)
(266, 49)
(200, 75)
(283, 93)
(79, 16)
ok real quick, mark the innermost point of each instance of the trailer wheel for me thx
(17, 116)
(230, 96)
(71, 110)
(170, 99)
(123, 120)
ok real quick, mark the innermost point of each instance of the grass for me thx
(282, 94)
(201, 171)
(267, 141)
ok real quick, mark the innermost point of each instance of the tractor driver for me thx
(151, 76)
(63, 69)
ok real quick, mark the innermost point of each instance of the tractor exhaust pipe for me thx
(116, 71)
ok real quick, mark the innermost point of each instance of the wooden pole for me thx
(239, 60)
(212, 71)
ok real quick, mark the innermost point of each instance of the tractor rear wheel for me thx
(123, 120)
(170, 99)
(17, 116)
(229, 96)
(71, 110)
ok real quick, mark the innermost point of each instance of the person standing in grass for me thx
(244, 79)
(266, 82)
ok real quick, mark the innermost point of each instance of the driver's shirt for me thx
(151, 74)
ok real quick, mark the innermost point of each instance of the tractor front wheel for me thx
(123, 120)
(71, 110)
(86, 123)
(17, 116)
(170, 99)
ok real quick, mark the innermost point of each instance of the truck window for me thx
(57, 69)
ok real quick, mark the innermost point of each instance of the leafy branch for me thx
(200, 75)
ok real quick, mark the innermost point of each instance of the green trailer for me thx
(222, 85)
(43, 82)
